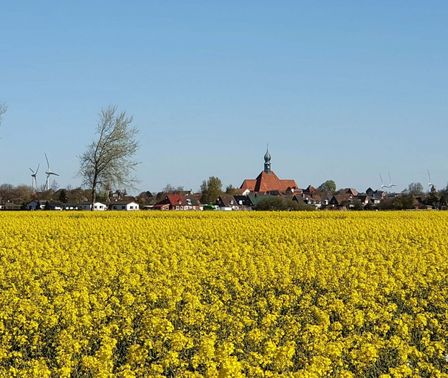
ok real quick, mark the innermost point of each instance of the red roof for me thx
(267, 182)
(175, 199)
(248, 184)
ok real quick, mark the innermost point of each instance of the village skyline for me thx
(343, 91)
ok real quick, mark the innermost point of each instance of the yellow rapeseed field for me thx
(224, 294)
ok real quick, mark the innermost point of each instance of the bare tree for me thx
(108, 160)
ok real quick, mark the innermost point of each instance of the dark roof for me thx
(243, 200)
(338, 199)
(226, 200)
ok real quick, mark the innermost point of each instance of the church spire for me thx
(267, 160)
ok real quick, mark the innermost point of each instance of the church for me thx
(267, 181)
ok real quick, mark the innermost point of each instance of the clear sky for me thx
(341, 90)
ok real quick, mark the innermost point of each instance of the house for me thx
(128, 206)
(376, 195)
(310, 190)
(350, 191)
(178, 201)
(310, 198)
(341, 200)
(364, 199)
(97, 206)
(171, 201)
(267, 181)
(53, 205)
(71, 206)
(35, 205)
(227, 202)
(243, 201)
(10, 206)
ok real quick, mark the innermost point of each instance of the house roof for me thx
(191, 200)
(310, 189)
(248, 184)
(243, 200)
(339, 198)
(226, 200)
(177, 199)
(351, 191)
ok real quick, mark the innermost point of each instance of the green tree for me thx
(328, 186)
(211, 190)
(230, 189)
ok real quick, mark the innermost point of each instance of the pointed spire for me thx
(267, 160)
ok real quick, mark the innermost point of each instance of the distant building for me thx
(227, 202)
(128, 206)
(178, 201)
(97, 206)
(267, 181)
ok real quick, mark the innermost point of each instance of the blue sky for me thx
(341, 90)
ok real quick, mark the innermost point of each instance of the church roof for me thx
(268, 182)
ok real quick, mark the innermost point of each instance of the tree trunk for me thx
(93, 196)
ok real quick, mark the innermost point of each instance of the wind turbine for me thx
(390, 182)
(430, 184)
(382, 182)
(49, 173)
(34, 177)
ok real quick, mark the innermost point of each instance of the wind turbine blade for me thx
(381, 178)
(37, 170)
(48, 164)
(31, 171)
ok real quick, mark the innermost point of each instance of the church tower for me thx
(267, 181)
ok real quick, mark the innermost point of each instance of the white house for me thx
(97, 206)
(128, 206)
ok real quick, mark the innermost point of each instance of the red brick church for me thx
(267, 180)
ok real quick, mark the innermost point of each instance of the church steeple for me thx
(267, 161)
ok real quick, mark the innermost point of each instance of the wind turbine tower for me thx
(390, 182)
(382, 183)
(430, 184)
(49, 173)
(34, 177)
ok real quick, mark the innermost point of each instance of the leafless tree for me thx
(108, 160)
